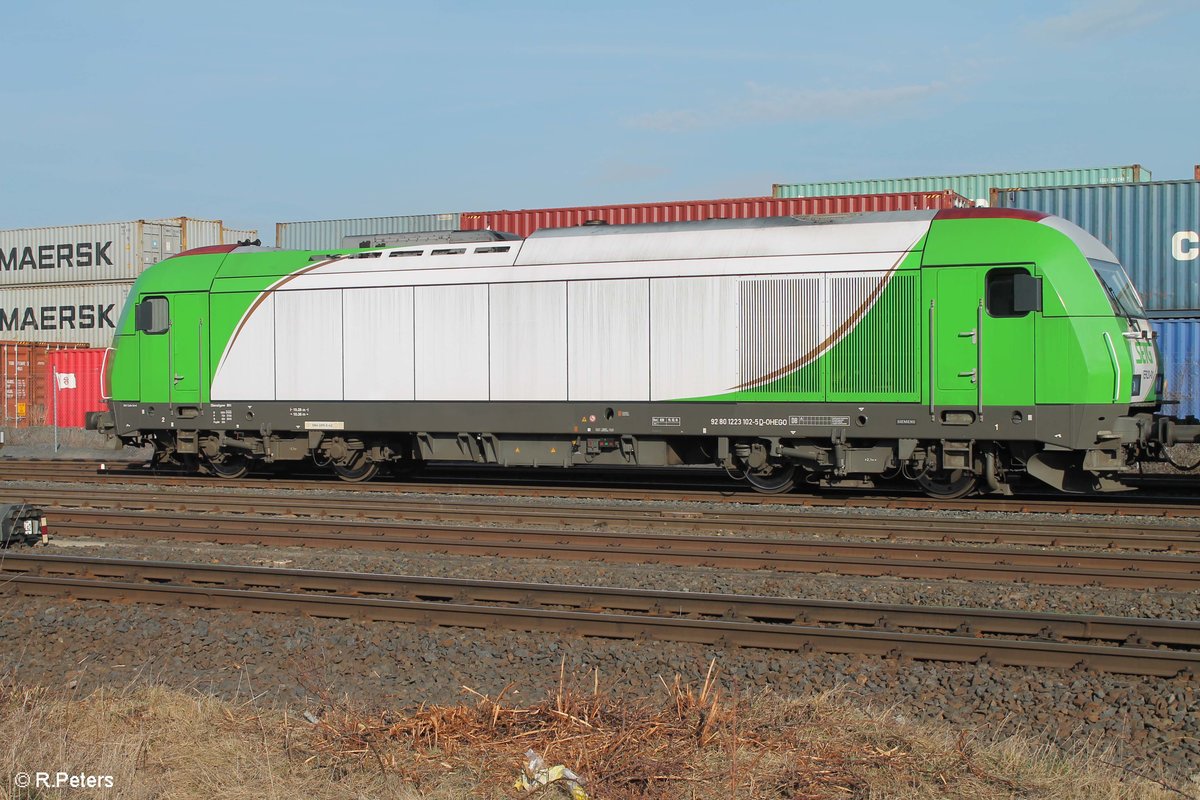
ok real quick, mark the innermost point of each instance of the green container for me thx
(974, 187)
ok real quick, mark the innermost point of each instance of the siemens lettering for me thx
(55, 318)
(56, 256)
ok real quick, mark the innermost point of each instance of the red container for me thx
(527, 221)
(23, 376)
(73, 381)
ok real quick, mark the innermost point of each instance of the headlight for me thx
(1137, 386)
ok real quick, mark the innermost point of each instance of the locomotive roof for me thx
(735, 224)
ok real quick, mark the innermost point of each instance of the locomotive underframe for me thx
(1074, 448)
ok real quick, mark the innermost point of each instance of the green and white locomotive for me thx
(962, 349)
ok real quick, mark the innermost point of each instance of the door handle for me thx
(178, 378)
(968, 374)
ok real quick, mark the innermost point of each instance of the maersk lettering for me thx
(57, 256)
(57, 318)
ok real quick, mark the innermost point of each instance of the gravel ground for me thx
(1152, 724)
(73, 443)
(1002, 596)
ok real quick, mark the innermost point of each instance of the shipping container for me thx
(320, 234)
(1154, 228)
(205, 232)
(86, 313)
(525, 222)
(74, 385)
(112, 251)
(977, 187)
(235, 235)
(1179, 345)
(109, 251)
(23, 375)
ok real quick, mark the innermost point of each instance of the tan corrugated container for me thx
(23, 370)
(319, 234)
(107, 251)
(235, 235)
(110, 251)
(206, 232)
(60, 312)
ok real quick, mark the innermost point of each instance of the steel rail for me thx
(300, 504)
(745, 608)
(873, 559)
(584, 483)
(727, 633)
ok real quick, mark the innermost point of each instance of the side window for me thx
(152, 316)
(1011, 292)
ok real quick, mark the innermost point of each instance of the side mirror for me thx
(1027, 293)
(143, 316)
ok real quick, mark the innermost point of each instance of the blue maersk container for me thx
(1179, 343)
(1154, 228)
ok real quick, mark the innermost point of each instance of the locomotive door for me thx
(981, 344)
(953, 307)
(189, 344)
(173, 345)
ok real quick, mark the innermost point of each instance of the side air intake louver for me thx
(877, 355)
(780, 325)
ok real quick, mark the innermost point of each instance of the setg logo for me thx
(1185, 246)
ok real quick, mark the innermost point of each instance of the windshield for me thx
(1117, 286)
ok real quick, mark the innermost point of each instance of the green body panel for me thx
(875, 360)
(1071, 360)
(203, 316)
(174, 365)
(140, 367)
(974, 352)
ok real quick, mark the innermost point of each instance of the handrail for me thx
(932, 360)
(105, 383)
(1112, 352)
(979, 361)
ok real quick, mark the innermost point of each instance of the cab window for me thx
(1012, 292)
(152, 316)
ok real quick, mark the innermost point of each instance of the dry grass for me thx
(684, 742)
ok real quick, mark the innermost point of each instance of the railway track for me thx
(1132, 646)
(872, 559)
(1102, 534)
(699, 486)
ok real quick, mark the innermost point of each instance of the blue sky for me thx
(258, 112)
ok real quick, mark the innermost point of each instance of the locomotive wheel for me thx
(949, 485)
(230, 467)
(781, 479)
(358, 470)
